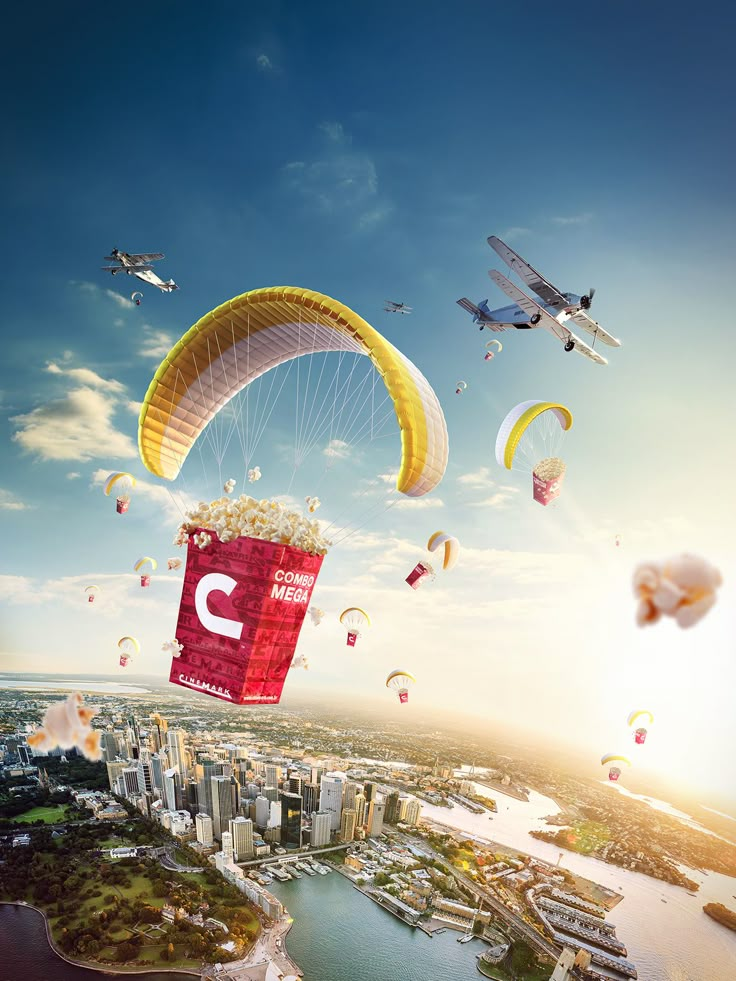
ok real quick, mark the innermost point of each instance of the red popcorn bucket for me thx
(122, 504)
(546, 491)
(640, 736)
(417, 575)
(403, 696)
(352, 637)
(145, 581)
(242, 608)
(124, 660)
(614, 773)
(90, 598)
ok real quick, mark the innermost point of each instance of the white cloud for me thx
(341, 181)
(85, 376)
(418, 503)
(122, 301)
(264, 63)
(76, 427)
(337, 449)
(514, 232)
(581, 219)
(156, 344)
(134, 407)
(73, 475)
(477, 479)
(8, 502)
(481, 480)
(93, 288)
(501, 499)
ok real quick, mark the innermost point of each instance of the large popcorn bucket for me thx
(417, 575)
(122, 504)
(242, 608)
(546, 491)
(145, 581)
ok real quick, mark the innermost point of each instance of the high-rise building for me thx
(321, 828)
(204, 770)
(271, 793)
(348, 794)
(252, 791)
(291, 821)
(311, 797)
(413, 812)
(114, 769)
(273, 775)
(241, 830)
(135, 735)
(191, 796)
(109, 746)
(403, 803)
(369, 791)
(227, 846)
(222, 804)
(347, 825)
(157, 728)
(145, 772)
(360, 806)
(263, 809)
(330, 799)
(159, 764)
(296, 785)
(172, 789)
(204, 830)
(391, 815)
(130, 776)
(316, 774)
(376, 812)
(176, 751)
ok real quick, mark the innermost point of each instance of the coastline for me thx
(91, 965)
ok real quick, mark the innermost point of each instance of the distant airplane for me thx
(140, 267)
(393, 307)
(552, 311)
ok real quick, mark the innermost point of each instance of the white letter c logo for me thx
(211, 583)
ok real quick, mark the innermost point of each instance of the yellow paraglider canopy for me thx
(518, 421)
(242, 339)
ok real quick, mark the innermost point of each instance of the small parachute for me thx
(529, 423)
(316, 614)
(123, 483)
(400, 681)
(615, 771)
(145, 579)
(489, 355)
(354, 618)
(451, 550)
(460, 387)
(128, 647)
(136, 298)
(173, 564)
(640, 733)
(91, 592)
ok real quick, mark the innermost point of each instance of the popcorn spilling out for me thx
(254, 474)
(312, 503)
(316, 614)
(551, 468)
(245, 517)
(172, 647)
(67, 724)
(683, 587)
(174, 563)
(229, 486)
(300, 661)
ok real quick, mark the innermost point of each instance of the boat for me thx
(465, 939)
(663, 900)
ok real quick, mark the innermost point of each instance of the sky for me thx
(366, 152)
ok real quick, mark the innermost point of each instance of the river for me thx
(671, 941)
(26, 955)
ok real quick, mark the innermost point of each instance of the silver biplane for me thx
(140, 267)
(552, 310)
(393, 307)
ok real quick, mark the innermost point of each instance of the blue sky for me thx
(368, 153)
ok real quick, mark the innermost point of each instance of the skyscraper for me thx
(159, 763)
(172, 789)
(360, 810)
(369, 791)
(273, 775)
(413, 812)
(241, 830)
(311, 797)
(263, 809)
(227, 846)
(295, 785)
(291, 821)
(176, 751)
(321, 822)
(376, 811)
(347, 825)
(114, 770)
(348, 795)
(403, 804)
(222, 804)
(317, 772)
(204, 830)
(204, 770)
(130, 776)
(109, 745)
(391, 815)
(330, 799)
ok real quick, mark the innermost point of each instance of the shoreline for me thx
(91, 965)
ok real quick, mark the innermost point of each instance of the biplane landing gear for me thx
(535, 319)
(569, 346)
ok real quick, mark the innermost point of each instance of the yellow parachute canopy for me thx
(400, 679)
(89, 589)
(141, 562)
(355, 617)
(518, 420)
(126, 481)
(247, 336)
(612, 758)
(637, 715)
(452, 548)
(129, 644)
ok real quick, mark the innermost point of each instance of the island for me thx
(721, 914)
